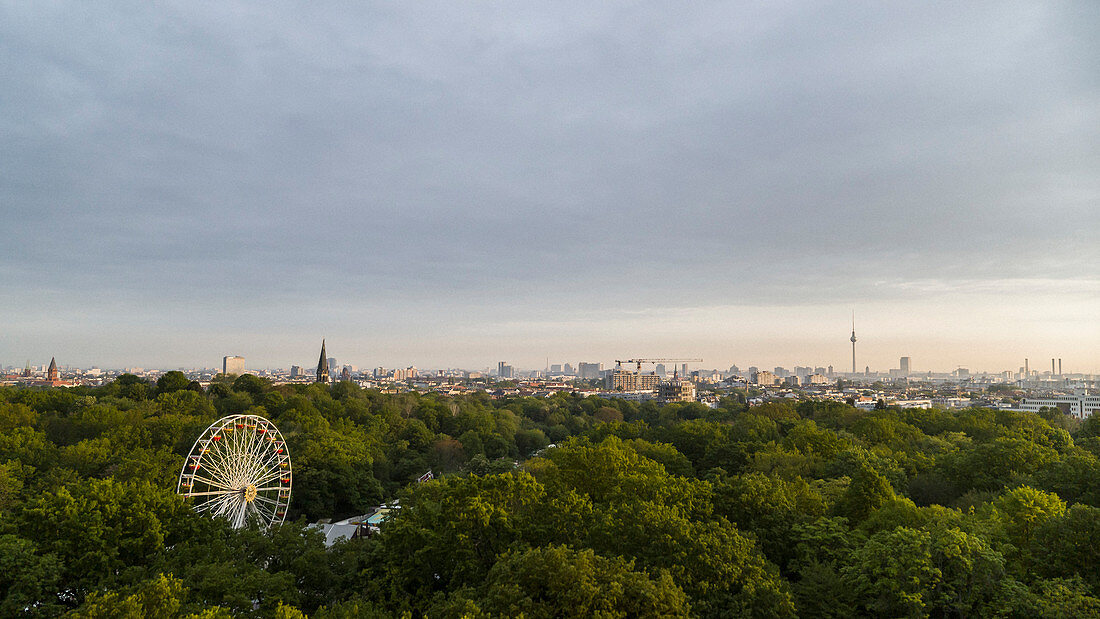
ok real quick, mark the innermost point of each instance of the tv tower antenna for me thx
(853, 338)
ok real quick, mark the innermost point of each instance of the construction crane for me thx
(619, 363)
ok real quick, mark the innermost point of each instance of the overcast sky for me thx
(449, 184)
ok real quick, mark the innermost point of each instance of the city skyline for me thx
(457, 185)
(903, 364)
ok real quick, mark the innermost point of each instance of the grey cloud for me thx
(579, 155)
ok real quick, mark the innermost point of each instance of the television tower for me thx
(853, 338)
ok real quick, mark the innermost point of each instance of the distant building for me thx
(51, 372)
(659, 369)
(296, 371)
(322, 366)
(233, 365)
(568, 370)
(816, 379)
(555, 368)
(904, 366)
(1081, 404)
(625, 380)
(589, 370)
(763, 378)
(505, 371)
(676, 391)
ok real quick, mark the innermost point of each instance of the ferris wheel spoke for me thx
(215, 506)
(235, 515)
(260, 454)
(212, 493)
(263, 474)
(266, 500)
(211, 482)
(262, 513)
(216, 462)
(270, 475)
(242, 514)
(227, 508)
(211, 503)
(265, 511)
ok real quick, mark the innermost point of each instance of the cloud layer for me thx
(447, 184)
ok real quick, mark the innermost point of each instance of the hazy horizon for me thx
(451, 185)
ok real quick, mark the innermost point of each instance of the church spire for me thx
(51, 373)
(322, 365)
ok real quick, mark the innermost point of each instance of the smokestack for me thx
(1052, 366)
(1059, 367)
(1027, 369)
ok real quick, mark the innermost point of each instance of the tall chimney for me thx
(1027, 369)
(1052, 366)
(1059, 367)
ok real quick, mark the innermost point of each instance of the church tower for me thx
(51, 374)
(322, 366)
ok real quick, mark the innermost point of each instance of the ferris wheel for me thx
(239, 469)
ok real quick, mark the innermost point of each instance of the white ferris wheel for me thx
(239, 469)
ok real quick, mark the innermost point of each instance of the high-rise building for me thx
(555, 369)
(905, 366)
(568, 369)
(322, 365)
(589, 370)
(659, 369)
(763, 378)
(505, 371)
(233, 365)
(296, 371)
(683, 369)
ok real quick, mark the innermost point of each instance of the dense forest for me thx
(564, 506)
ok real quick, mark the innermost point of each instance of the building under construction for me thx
(625, 380)
(676, 390)
(679, 389)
